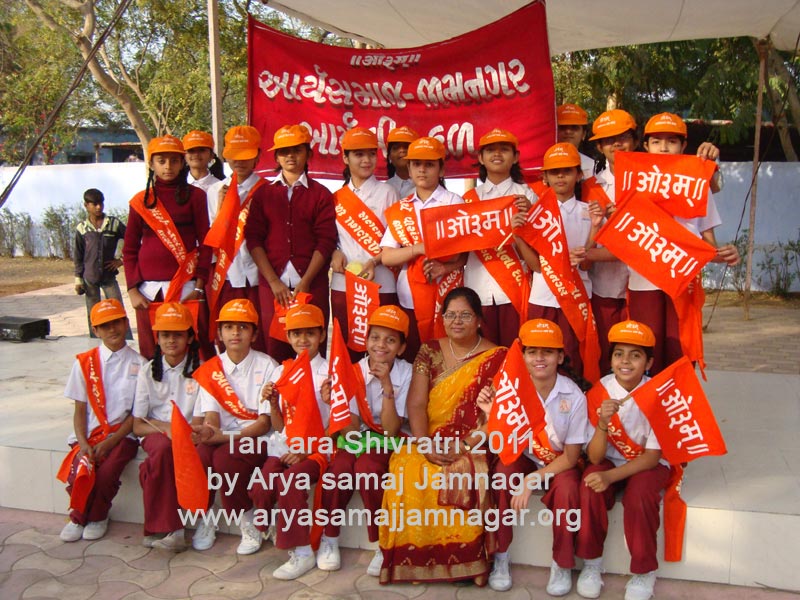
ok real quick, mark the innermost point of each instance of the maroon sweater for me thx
(293, 230)
(144, 256)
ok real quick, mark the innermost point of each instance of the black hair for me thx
(192, 359)
(94, 196)
(647, 136)
(308, 159)
(566, 369)
(600, 162)
(648, 350)
(468, 294)
(182, 194)
(390, 168)
(216, 168)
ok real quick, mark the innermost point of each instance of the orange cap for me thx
(402, 134)
(425, 148)
(359, 138)
(107, 310)
(173, 316)
(541, 333)
(498, 136)
(304, 315)
(291, 135)
(164, 144)
(559, 156)
(666, 123)
(571, 114)
(197, 139)
(390, 316)
(241, 143)
(240, 310)
(632, 332)
(611, 123)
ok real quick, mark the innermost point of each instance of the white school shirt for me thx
(154, 398)
(246, 378)
(633, 421)
(377, 197)
(243, 270)
(565, 417)
(577, 226)
(400, 375)
(290, 277)
(476, 276)
(403, 187)
(697, 225)
(440, 197)
(609, 279)
(587, 165)
(204, 183)
(119, 371)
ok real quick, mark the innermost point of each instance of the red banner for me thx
(343, 385)
(363, 297)
(652, 243)
(678, 183)
(679, 413)
(455, 90)
(449, 230)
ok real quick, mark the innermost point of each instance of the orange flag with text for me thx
(343, 385)
(301, 415)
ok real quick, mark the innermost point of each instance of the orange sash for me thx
(358, 220)
(506, 268)
(211, 377)
(617, 435)
(592, 191)
(428, 296)
(361, 399)
(227, 239)
(160, 221)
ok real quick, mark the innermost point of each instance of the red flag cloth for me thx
(343, 385)
(679, 413)
(517, 413)
(653, 244)
(301, 415)
(678, 183)
(363, 297)
(190, 476)
(449, 230)
(456, 90)
(83, 484)
(277, 328)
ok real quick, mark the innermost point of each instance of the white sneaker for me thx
(590, 581)
(251, 539)
(94, 530)
(376, 564)
(175, 541)
(560, 581)
(640, 586)
(295, 566)
(204, 536)
(328, 557)
(270, 534)
(500, 577)
(149, 540)
(72, 532)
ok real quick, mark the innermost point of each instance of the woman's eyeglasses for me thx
(464, 317)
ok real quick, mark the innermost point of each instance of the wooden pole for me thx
(762, 47)
(215, 74)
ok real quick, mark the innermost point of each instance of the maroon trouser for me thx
(571, 344)
(607, 313)
(641, 501)
(106, 483)
(222, 461)
(339, 311)
(289, 498)
(374, 464)
(228, 293)
(412, 339)
(562, 495)
(157, 478)
(500, 323)
(656, 310)
(147, 339)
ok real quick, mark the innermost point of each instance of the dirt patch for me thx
(23, 274)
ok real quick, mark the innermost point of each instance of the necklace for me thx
(453, 351)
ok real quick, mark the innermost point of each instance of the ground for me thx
(23, 274)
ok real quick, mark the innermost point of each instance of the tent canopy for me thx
(572, 24)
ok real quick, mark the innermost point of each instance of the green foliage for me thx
(779, 268)
(60, 223)
(16, 233)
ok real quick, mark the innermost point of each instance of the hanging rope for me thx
(51, 118)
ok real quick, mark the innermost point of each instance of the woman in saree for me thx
(429, 536)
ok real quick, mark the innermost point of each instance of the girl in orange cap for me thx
(291, 233)
(167, 377)
(205, 168)
(624, 454)
(361, 223)
(163, 254)
(552, 463)
(397, 144)
(572, 122)
(500, 277)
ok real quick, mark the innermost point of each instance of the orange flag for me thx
(83, 484)
(277, 329)
(343, 385)
(363, 297)
(517, 413)
(301, 415)
(190, 477)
